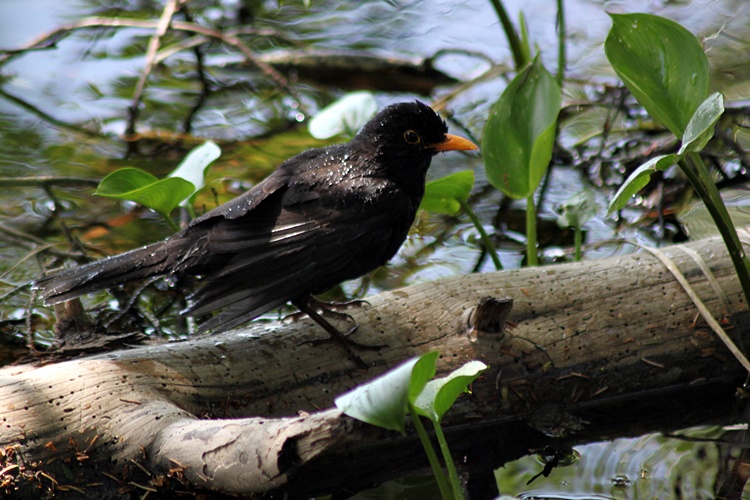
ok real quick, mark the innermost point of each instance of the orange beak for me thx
(454, 143)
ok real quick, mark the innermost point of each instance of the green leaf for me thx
(344, 116)
(423, 372)
(383, 401)
(639, 178)
(520, 132)
(578, 209)
(446, 195)
(134, 184)
(193, 167)
(525, 41)
(700, 128)
(662, 64)
(440, 394)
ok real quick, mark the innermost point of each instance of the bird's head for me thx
(411, 130)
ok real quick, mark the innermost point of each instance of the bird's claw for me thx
(333, 310)
(345, 338)
(308, 307)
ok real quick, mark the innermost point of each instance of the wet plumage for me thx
(324, 216)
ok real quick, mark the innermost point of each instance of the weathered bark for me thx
(586, 334)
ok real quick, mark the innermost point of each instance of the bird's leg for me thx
(335, 309)
(316, 310)
(305, 306)
(333, 332)
(330, 309)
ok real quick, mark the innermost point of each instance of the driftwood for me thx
(245, 411)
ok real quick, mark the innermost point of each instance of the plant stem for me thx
(458, 491)
(531, 250)
(486, 240)
(171, 223)
(437, 470)
(700, 178)
(560, 43)
(578, 242)
(510, 32)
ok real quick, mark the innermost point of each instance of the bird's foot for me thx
(334, 310)
(336, 307)
(310, 308)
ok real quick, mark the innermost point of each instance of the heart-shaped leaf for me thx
(662, 64)
(439, 395)
(384, 401)
(520, 132)
(134, 184)
(446, 195)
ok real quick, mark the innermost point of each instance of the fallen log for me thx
(245, 412)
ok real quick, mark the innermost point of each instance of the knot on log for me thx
(488, 317)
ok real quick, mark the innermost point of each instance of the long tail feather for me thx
(136, 264)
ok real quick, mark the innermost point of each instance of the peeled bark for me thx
(230, 412)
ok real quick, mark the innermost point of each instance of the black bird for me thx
(324, 216)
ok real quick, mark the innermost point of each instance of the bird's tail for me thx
(157, 258)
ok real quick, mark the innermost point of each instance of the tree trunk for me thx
(245, 411)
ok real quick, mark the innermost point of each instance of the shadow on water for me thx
(64, 114)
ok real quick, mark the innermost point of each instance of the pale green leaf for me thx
(700, 128)
(638, 180)
(446, 195)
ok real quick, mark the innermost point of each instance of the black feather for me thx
(324, 216)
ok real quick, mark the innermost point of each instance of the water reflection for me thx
(650, 466)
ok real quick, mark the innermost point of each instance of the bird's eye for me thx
(411, 137)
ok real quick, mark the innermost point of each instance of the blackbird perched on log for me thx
(324, 216)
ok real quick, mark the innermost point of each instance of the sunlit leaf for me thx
(700, 129)
(662, 64)
(423, 372)
(638, 180)
(134, 184)
(345, 116)
(520, 132)
(193, 167)
(384, 401)
(440, 394)
(446, 195)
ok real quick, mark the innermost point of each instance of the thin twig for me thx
(30, 241)
(153, 47)
(230, 37)
(492, 72)
(200, 68)
(31, 253)
(45, 116)
(47, 180)
(48, 40)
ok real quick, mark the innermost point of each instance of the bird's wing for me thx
(288, 246)
(277, 181)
